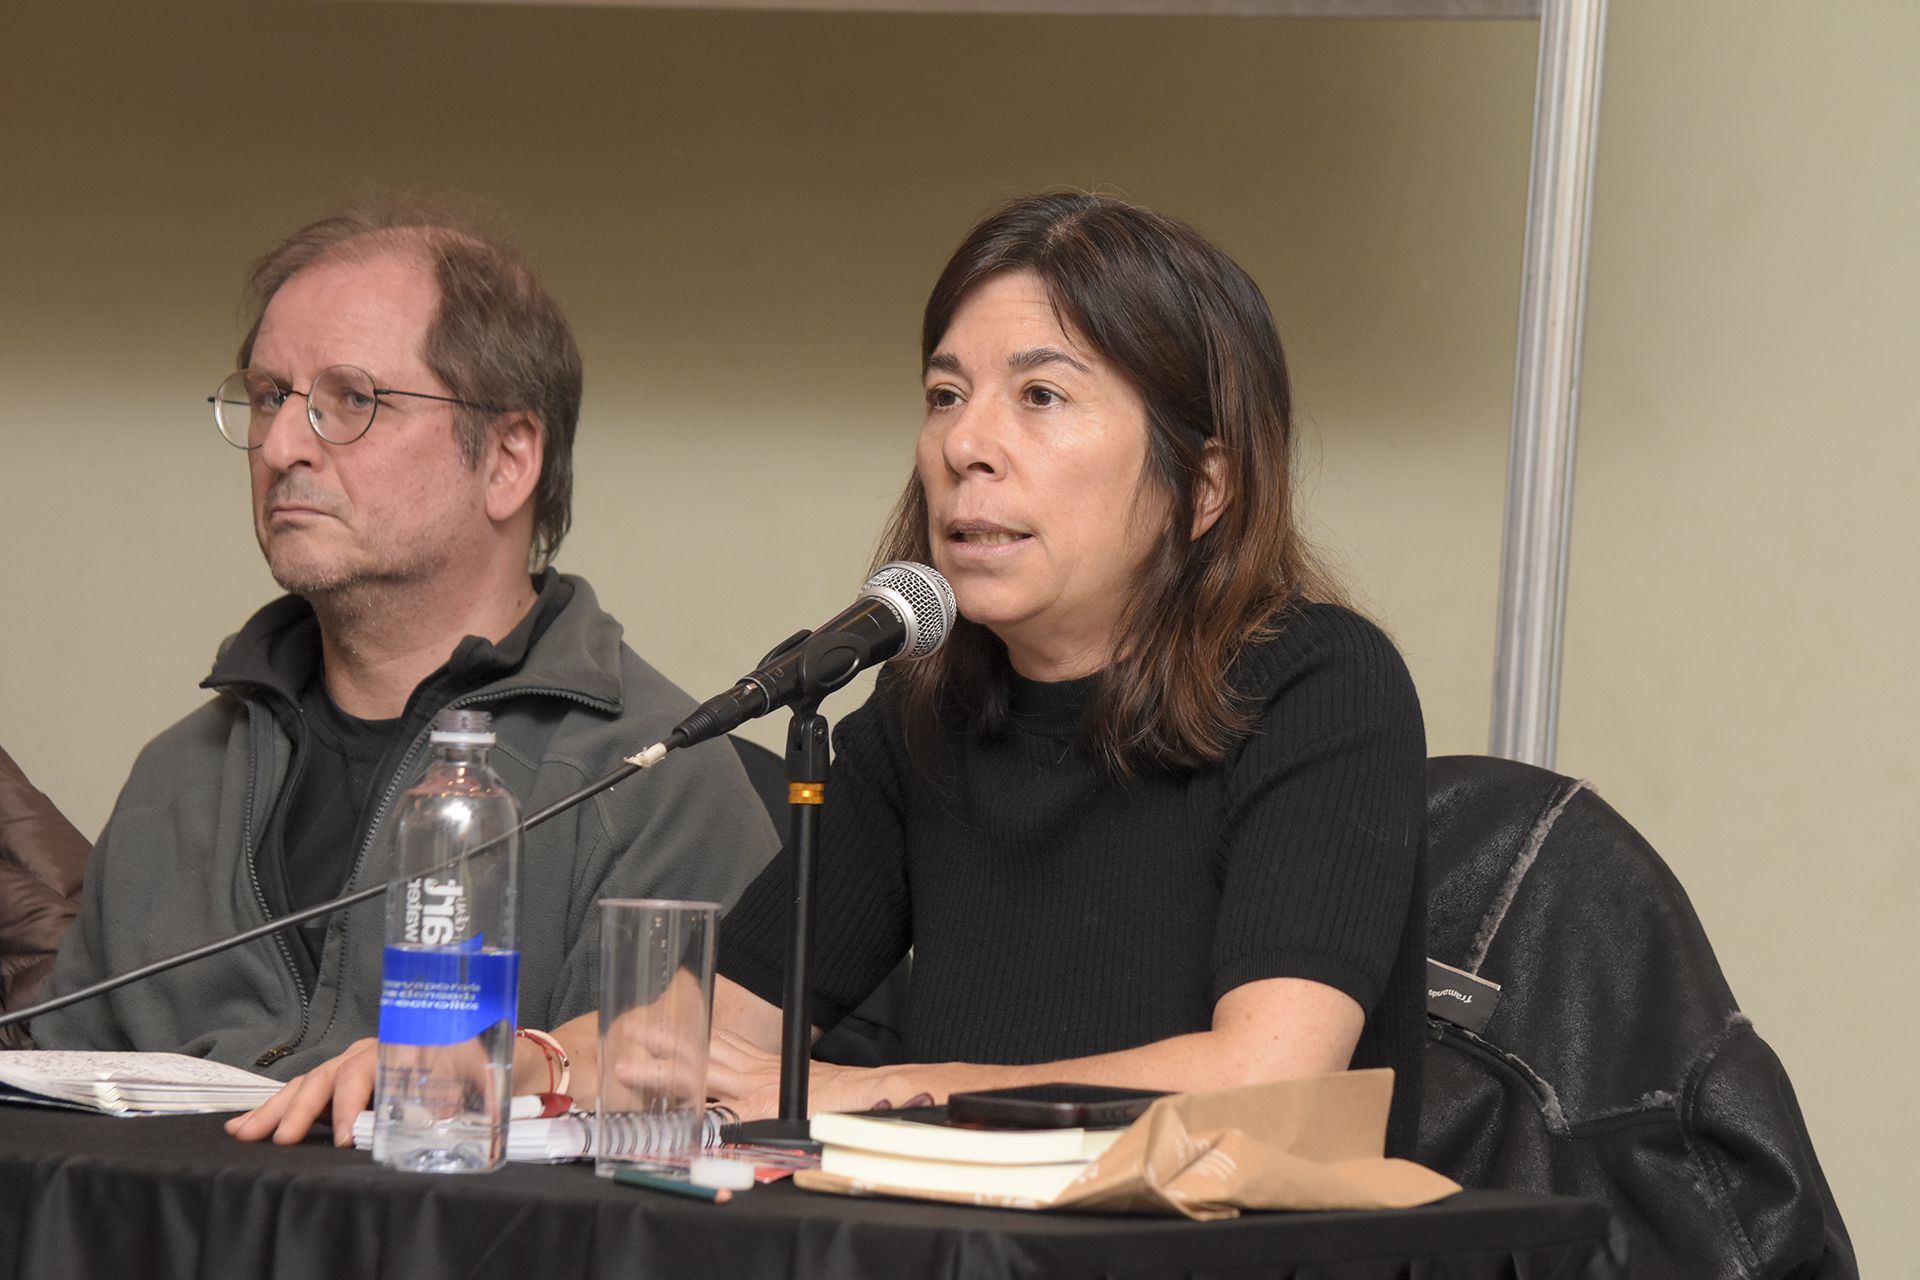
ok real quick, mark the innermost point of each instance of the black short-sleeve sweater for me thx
(1055, 911)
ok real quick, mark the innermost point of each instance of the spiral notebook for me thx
(571, 1137)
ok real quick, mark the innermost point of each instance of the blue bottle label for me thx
(446, 997)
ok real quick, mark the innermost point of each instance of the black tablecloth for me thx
(89, 1195)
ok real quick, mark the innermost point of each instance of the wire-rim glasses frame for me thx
(342, 402)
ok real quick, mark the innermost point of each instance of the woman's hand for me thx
(743, 1076)
(746, 1077)
(344, 1083)
(743, 1065)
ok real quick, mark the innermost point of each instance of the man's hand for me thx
(345, 1083)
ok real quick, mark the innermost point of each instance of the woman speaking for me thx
(1154, 815)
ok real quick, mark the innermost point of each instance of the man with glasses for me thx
(406, 404)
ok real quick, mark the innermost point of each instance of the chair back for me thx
(1615, 1063)
(43, 860)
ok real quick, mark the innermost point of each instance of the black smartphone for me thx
(1051, 1106)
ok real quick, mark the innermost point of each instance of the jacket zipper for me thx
(278, 1051)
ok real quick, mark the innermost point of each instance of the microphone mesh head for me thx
(925, 599)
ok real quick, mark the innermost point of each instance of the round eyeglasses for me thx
(341, 404)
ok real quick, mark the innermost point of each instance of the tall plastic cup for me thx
(656, 1012)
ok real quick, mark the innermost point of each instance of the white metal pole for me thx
(1546, 396)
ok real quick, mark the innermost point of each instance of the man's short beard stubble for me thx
(342, 595)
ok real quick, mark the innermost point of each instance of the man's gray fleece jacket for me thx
(175, 866)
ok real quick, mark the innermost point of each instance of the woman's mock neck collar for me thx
(1053, 707)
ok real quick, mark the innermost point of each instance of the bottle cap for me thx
(464, 728)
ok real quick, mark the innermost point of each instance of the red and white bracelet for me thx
(559, 1066)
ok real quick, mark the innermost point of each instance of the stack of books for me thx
(920, 1149)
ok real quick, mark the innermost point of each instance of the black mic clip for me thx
(806, 667)
(827, 660)
(784, 647)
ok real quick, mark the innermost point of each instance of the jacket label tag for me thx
(1459, 997)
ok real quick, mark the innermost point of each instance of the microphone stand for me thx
(807, 761)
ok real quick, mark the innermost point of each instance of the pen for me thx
(635, 1178)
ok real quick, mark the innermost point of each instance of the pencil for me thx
(635, 1178)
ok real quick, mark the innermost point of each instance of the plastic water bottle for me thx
(452, 972)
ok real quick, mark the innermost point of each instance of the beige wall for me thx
(743, 213)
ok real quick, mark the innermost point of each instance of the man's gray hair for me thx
(498, 338)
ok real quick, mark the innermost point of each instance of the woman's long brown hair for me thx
(1192, 332)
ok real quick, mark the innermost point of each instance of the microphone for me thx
(904, 610)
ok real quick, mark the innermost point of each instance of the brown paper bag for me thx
(1314, 1143)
